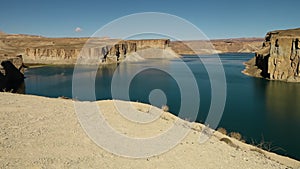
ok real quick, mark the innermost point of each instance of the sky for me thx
(217, 19)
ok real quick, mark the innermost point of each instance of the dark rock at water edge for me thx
(11, 77)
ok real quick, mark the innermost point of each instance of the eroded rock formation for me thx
(38, 49)
(92, 51)
(279, 57)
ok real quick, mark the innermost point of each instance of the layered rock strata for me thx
(92, 51)
(278, 59)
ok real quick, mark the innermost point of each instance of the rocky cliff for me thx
(278, 59)
(38, 49)
(92, 51)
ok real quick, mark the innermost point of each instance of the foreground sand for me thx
(38, 132)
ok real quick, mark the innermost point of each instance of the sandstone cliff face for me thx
(93, 51)
(43, 50)
(278, 59)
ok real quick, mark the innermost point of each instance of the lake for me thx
(259, 109)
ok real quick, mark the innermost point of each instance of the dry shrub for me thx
(222, 130)
(235, 135)
(266, 146)
(165, 108)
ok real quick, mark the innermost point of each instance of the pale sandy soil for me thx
(38, 132)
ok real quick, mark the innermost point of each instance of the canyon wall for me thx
(278, 59)
(92, 51)
(43, 50)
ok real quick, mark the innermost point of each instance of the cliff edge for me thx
(92, 51)
(278, 59)
(43, 50)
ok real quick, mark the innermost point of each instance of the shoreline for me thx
(221, 53)
(45, 50)
(35, 65)
(29, 121)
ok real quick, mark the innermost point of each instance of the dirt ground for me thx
(39, 132)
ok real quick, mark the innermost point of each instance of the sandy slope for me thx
(38, 132)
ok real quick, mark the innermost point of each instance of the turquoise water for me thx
(259, 109)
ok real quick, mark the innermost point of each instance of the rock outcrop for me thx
(17, 61)
(94, 50)
(43, 50)
(279, 57)
(12, 74)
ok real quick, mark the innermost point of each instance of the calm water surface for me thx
(260, 110)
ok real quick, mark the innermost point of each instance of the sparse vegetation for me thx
(265, 145)
(236, 135)
(7, 91)
(165, 108)
(222, 130)
(259, 147)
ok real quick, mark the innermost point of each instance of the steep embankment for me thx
(39, 132)
(278, 59)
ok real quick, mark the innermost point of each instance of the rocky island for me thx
(278, 59)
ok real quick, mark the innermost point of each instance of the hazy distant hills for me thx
(240, 45)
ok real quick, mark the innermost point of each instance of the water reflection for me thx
(282, 99)
(255, 107)
(283, 114)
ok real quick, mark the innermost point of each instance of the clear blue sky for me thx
(216, 18)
